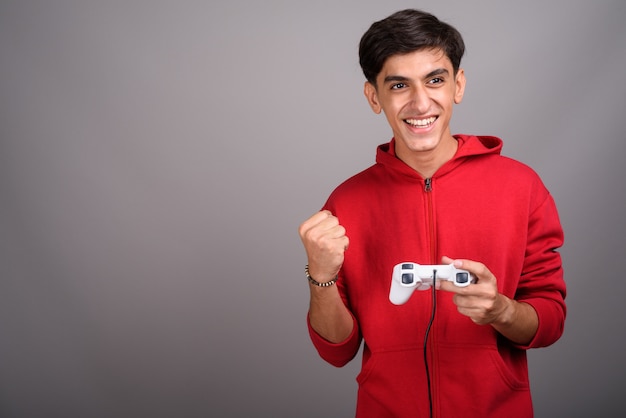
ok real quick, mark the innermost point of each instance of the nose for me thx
(420, 100)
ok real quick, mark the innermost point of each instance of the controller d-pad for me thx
(407, 278)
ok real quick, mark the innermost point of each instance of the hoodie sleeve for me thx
(337, 354)
(542, 284)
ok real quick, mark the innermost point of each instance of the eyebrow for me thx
(401, 78)
(438, 71)
(395, 79)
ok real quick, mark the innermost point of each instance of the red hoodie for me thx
(479, 206)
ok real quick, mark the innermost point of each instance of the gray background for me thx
(156, 159)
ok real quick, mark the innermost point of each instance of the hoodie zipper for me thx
(428, 185)
(428, 189)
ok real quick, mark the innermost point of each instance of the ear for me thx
(460, 86)
(372, 97)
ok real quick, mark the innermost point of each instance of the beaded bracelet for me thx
(315, 282)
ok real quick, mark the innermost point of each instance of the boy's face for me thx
(417, 91)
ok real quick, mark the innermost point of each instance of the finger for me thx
(452, 288)
(446, 260)
(345, 242)
(327, 236)
(478, 270)
(316, 220)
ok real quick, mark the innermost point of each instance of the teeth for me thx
(420, 122)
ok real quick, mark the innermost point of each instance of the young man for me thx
(434, 198)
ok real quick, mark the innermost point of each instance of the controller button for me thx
(462, 277)
(407, 278)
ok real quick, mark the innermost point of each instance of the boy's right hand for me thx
(325, 242)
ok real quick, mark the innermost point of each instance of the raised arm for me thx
(325, 242)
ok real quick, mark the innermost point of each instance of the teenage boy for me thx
(434, 198)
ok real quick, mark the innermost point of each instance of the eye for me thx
(398, 86)
(436, 80)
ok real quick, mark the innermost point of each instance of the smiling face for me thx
(417, 92)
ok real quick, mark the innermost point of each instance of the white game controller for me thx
(409, 276)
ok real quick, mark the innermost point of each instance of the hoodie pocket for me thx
(393, 383)
(467, 381)
(482, 382)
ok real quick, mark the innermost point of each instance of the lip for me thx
(418, 128)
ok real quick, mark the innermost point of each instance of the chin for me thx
(421, 145)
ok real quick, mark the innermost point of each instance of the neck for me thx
(426, 163)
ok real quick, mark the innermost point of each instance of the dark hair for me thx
(404, 32)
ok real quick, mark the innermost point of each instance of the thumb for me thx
(448, 260)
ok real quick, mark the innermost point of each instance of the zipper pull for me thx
(428, 184)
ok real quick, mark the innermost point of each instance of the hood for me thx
(469, 146)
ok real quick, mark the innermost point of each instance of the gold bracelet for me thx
(315, 282)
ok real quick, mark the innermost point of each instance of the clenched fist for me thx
(325, 242)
